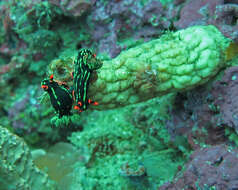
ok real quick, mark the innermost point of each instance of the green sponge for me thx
(175, 62)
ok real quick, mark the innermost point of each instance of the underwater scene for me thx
(119, 95)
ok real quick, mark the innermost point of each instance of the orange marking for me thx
(51, 77)
(89, 101)
(73, 95)
(80, 104)
(94, 55)
(76, 107)
(45, 87)
(95, 103)
(62, 83)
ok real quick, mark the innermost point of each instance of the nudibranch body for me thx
(85, 63)
(60, 96)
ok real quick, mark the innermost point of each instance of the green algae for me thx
(33, 26)
(232, 135)
(109, 141)
(16, 165)
(164, 2)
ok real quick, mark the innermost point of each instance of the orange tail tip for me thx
(51, 77)
(76, 108)
(96, 103)
(92, 102)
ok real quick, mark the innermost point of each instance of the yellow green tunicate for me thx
(177, 61)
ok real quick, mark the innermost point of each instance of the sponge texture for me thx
(176, 62)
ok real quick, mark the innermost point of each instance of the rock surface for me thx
(213, 167)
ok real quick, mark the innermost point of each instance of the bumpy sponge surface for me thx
(176, 62)
(17, 170)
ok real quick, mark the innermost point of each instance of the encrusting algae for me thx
(17, 167)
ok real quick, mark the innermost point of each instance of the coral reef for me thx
(196, 12)
(110, 140)
(195, 116)
(34, 26)
(176, 62)
(139, 145)
(28, 118)
(136, 174)
(209, 168)
(73, 8)
(207, 116)
(225, 94)
(226, 20)
(222, 14)
(139, 19)
(16, 165)
(205, 113)
(118, 142)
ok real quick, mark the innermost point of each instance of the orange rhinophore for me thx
(76, 107)
(96, 103)
(51, 77)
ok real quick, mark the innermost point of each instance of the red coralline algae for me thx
(137, 20)
(226, 17)
(213, 109)
(223, 14)
(73, 7)
(225, 93)
(194, 115)
(196, 12)
(213, 167)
